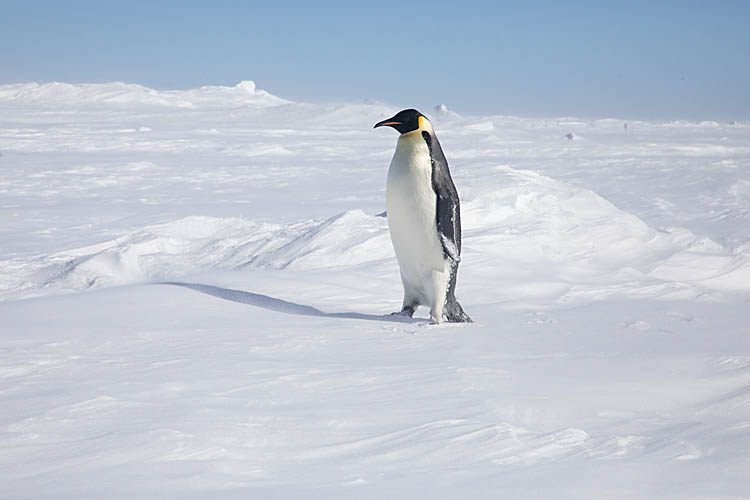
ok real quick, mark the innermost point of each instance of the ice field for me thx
(195, 288)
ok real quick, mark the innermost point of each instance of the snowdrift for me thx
(531, 234)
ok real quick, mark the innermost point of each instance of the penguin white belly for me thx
(411, 206)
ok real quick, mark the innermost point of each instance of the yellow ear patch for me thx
(424, 124)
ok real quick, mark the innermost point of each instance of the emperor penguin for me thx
(424, 219)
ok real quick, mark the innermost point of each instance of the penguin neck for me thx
(411, 152)
(411, 143)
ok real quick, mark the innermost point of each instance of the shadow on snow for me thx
(282, 306)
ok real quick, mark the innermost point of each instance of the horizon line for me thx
(433, 110)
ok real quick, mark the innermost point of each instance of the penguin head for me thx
(405, 121)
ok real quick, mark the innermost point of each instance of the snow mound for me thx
(535, 236)
(538, 233)
(442, 111)
(194, 244)
(347, 239)
(122, 94)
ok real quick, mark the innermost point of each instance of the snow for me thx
(118, 93)
(195, 288)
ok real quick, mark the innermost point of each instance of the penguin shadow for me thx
(283, 306)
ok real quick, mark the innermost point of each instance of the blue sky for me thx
(629, 59)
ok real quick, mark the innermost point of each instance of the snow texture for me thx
(195, 292)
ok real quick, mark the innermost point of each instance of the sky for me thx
(624, 59)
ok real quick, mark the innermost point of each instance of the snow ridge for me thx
(130, 94)
(542, 230)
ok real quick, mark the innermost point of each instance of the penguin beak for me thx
(387, 122)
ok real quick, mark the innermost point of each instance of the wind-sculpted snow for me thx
(196, 288)
(535, 230)
(194, 244)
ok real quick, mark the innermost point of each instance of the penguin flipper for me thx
(448, 210)
(449, 247)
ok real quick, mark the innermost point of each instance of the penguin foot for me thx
(454, 313)
(406, 311)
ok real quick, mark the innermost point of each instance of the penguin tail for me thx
(454, 313)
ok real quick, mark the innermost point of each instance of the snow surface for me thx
(195, 288)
